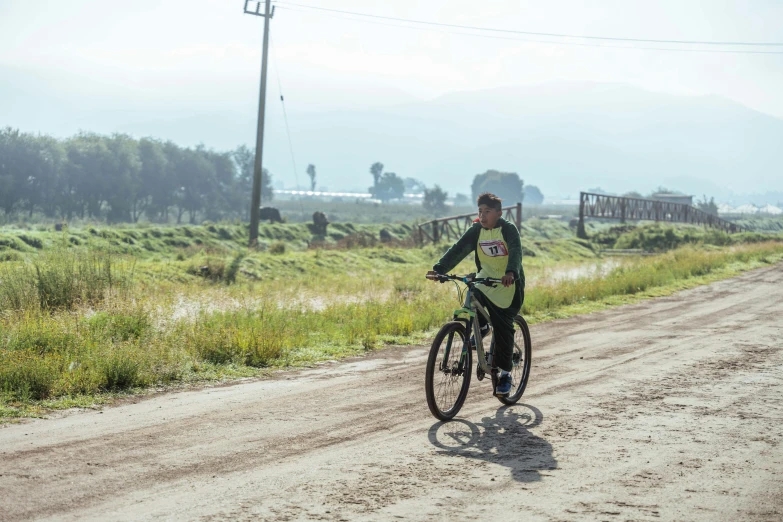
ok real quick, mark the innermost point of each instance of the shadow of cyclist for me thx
(504, 439)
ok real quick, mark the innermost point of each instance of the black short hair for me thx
(490, 200)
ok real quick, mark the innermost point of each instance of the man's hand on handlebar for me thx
(508, 279)
(432, 275)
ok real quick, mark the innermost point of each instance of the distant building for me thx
(674, 198)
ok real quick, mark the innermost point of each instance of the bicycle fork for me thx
(461, 365)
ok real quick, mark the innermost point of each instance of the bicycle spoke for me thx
(448, 372)
(448, 385)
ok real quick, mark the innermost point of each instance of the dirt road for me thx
(667, 410)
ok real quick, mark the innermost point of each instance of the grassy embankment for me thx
(87, 314)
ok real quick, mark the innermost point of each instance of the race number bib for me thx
(494, 248)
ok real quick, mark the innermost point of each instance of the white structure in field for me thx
(746, 209)
(749, 209)
(771, 210)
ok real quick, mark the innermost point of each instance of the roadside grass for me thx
(657, 276)
(659, 237)
(121, 324)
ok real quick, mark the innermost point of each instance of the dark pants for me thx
(503, 323)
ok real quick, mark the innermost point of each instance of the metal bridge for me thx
(453, 227)
(637, 209)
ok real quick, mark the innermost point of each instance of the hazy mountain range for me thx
(562, 137)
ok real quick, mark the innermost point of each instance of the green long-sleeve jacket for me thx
(496, 252)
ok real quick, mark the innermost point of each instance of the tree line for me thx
(508, 185)
(120, 179)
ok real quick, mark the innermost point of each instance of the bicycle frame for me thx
(469, 309)
(485, 362)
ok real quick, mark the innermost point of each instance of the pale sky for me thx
(208, 52)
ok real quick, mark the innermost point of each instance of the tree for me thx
(244, 158)
(710, 207)
(414, 186)
(167, 190)
(389, 186)
(11, 169)
(505, 185)
(533, 195)
(196, 180)
(435, 200)
(311, 173)
(152, 176)
(633, 194)
(376, 169)
(122, 188)
(461, 199)
(218, 198)
(664, 190)
(266, 186)
(88, 164)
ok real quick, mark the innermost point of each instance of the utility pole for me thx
(255, 200)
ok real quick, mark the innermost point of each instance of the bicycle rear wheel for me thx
(448, 370)
(521, 359)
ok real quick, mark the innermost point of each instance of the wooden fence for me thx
(451, 228)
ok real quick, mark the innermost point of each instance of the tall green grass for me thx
(62, 279)
(644, 274)
(89, 338)
(47, 355)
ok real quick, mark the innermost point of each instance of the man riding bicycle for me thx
(498, 255)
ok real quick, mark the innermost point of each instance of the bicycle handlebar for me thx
(468, 279)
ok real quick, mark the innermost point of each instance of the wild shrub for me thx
(233, 268)
(39, 334)
(60, 279)
(26, 375)
(10, 242)
(358, 240)
(121, 368)
(216, 269)
(77, 378)
(176, 242)
(8, 256)
(120, 326)
(407, 287)
(32, 241)
(250, 337)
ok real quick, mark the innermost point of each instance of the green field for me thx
(89, 313)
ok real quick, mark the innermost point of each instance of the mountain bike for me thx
(450, 362)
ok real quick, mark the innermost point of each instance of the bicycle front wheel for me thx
(447, 376)
(521, 359)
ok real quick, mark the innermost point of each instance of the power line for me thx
(550, 42)
(285, 118)
(531, 33)
(531, 40)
